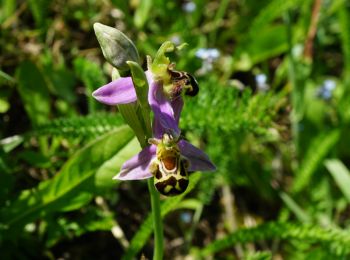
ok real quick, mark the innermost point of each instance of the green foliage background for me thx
(281, 190)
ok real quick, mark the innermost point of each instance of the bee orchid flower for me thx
(122, 91)
(166, 118)
(168, 158)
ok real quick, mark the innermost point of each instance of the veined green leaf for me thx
(104, 175)
(74, 178)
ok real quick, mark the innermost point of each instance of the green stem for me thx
(295, 95)
(157, 222)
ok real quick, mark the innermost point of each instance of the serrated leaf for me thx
(339, 239)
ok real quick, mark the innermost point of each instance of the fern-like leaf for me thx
(335, 240)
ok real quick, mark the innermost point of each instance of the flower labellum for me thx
(168, 160)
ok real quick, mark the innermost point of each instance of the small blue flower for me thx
(189, 7)
(325, 92)
(208, 56)
(261, 84)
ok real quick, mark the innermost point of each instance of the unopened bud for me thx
(116, 47)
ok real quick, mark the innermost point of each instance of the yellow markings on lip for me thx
(168, 188)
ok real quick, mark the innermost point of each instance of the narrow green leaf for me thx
(315, 154)
(295, 208)
(270, 12)
(7, 77)
(132, 115)
(34, 92)
(142, 13)
(141, 87)
(92, 76)
(344, 30)
(73, 179)
(39, 9)
(341, 176)
(10, 143)
(140, 83)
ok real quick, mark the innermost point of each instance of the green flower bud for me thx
(116, 47)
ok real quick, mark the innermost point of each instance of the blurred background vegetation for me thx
(273, 113)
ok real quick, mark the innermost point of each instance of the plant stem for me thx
(295, 95)
(157, 222)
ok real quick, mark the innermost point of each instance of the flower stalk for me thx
(157, 222)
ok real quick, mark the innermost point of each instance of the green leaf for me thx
(34, 92)
(270, 12)
(132, 115)
(339, 239)
(295, 208)
(104, 175)
(8, 7)
(75, 177)
(92, 125)
(315, 154)
(344, 30)
(10, 143)
(141, 87)
(39, 10)
(92, 76)
(341, 176)
(7, 77)
(4, 105)
(140, 83)
(63, 82)
(144, 232)
(142, 13)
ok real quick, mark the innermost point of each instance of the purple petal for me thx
(199, 161)
(177, 105)
(120, 91)
(162, 109)
(137, 168)
(158, 129)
